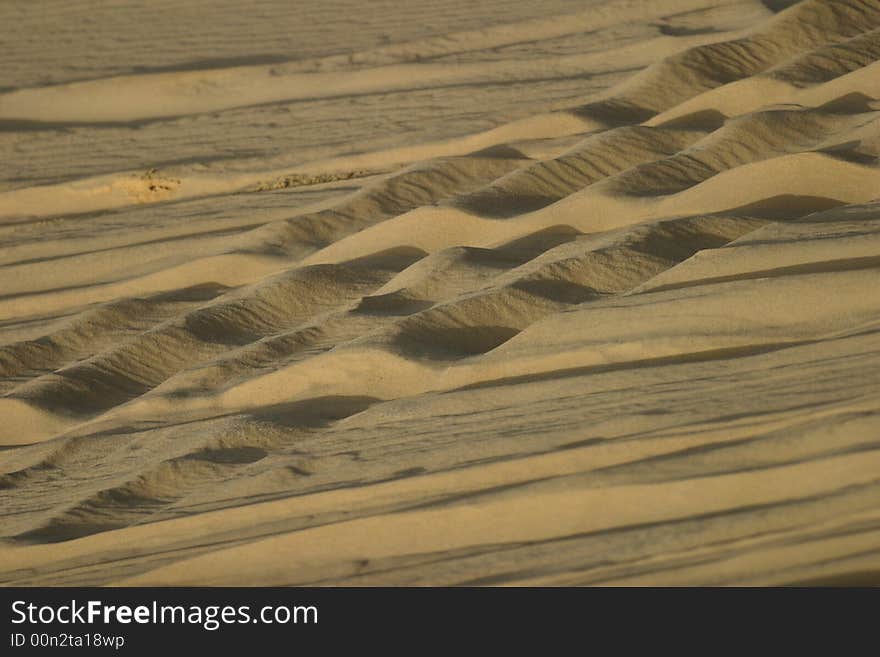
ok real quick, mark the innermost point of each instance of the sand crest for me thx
(553, 293)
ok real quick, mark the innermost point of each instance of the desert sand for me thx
(440, 293)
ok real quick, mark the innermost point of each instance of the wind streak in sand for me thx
(633, 341)
(203, 91)
(132, 98)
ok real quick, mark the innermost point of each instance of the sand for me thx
(497, 293)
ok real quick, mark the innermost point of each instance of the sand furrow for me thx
(566, 295)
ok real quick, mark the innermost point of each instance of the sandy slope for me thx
(582, 295)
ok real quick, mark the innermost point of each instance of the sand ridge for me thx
(626, 337)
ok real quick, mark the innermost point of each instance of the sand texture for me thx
(440, 293)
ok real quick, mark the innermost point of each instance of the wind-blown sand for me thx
(507, 292)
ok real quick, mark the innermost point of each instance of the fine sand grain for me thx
(410, 293)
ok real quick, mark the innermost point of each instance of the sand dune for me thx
(543, 295)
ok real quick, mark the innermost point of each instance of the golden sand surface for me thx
(440, 293)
